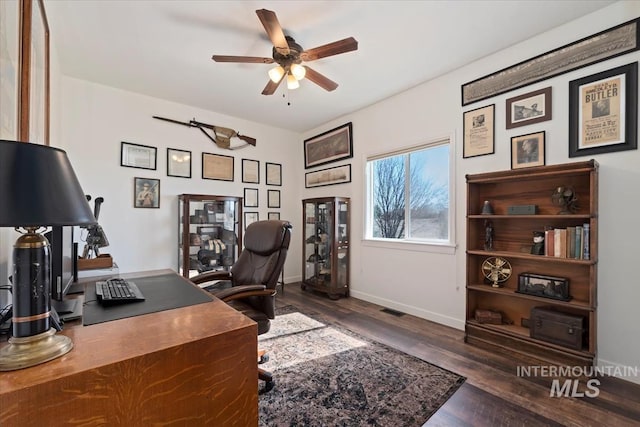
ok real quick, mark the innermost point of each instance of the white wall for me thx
(431, 285)
(94, 119)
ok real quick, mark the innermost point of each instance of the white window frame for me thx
(420, 245)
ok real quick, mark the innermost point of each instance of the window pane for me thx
(388, 185)
(429, 193)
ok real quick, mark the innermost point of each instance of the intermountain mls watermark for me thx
(566, 380)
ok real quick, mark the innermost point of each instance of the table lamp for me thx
(38, 188)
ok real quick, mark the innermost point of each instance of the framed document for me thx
(138, 156)
(251, 171)
(273, 173)
(603, 112)
(250, 197)
(217, 166)
(330, 146)
(273, 198)
(178, 163)
(479, 132)
(250, 217)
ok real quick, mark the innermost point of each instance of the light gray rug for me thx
(328, 376)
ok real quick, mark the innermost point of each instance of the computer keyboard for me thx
(117, 291)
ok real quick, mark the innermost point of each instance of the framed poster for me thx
(251, 171)
(529, 108)
(479, 132)
(330, 146)
(250, 197)
(217, 166)
(273, 198)
(178, 163)
(273, 172)
(527, 150)
(603, 112)
(9, 69)
(138, 156)
(329, 176)
(146, 193)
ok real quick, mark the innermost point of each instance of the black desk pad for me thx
(161, 292)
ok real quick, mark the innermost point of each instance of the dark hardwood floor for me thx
(493, 394)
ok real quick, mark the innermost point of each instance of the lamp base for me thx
(29, 351)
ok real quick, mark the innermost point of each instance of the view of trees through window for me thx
(410, 197)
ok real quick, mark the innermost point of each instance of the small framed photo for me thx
(146, 193)
(250, 218)
(529, 108)
(178, 163)
(273, 216)
(217, 166)
(330, 146)
(527, 150)
(250, 197)
(273, 173)
(251, 171)
(603, 112)
(479, 132)
(544, 286)
(138, 156)
(273, 198)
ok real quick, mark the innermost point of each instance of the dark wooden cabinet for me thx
(509, 193)
(210, 233)
(325, 257)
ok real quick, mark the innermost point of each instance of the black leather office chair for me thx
(250, 286)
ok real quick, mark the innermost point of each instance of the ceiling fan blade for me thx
(244, 59)
(274, 30)
(271, 87)
(342, 46)
(320, 80)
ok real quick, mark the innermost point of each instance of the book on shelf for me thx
(585, 240)
(578, 244)
(571, 242)
(549, 242)
(560, 243)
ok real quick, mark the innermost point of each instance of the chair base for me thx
(267, 377)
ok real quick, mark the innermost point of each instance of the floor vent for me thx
(393, 312)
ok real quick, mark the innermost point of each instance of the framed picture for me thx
(217, 166)
(527, 150)
(529, 108)
(544, 286)
(273, 216)
(604, 45)
(273, 198)
(250, 197)
(330, 176)
(34, 73)
(273, 172)
(138, 156)
(330, 146)
(251, 171)
(9, 69)
(479, 132)
(250, 218)
(603, 112)
(178, 163)
(146, 193)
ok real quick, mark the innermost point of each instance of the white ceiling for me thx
(163, 48)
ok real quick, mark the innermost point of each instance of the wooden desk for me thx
(195, 365)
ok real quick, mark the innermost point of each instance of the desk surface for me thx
(182, 342)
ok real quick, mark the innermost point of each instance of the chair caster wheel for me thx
(263, 359)
(268, 386)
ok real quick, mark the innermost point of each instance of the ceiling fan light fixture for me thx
(292, 82)
(275, 74)
(298, 71)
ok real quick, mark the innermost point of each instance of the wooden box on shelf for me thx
(510, 234)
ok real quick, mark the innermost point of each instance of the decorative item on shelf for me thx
(488, 317)
(522, 210)
(496, 270)
(538, 243)
(566, 199)
(544, 286)
(557, 327)
(488, 235)
(34, 170)
(486, 208)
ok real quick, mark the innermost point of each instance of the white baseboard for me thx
(624, 372)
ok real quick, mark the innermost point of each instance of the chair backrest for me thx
(265, 250)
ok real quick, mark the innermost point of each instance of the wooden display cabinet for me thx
(512, 240)
(325, 258)
(210, 233)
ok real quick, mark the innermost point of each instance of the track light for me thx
(292, 82)
(275, 74)
(298, 71)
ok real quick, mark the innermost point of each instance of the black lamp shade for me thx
(38, 188)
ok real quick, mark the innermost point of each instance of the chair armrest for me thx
(210, 276)
(243, 291)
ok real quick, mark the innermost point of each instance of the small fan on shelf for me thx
(496, 270)
(566, 199)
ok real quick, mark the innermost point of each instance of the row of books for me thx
(570, 242)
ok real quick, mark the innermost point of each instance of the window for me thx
(409, 194)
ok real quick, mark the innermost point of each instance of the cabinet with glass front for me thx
(210, 233)
(325, 245)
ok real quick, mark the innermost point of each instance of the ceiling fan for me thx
(289, 55)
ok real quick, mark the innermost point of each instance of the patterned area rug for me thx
(329, 376)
